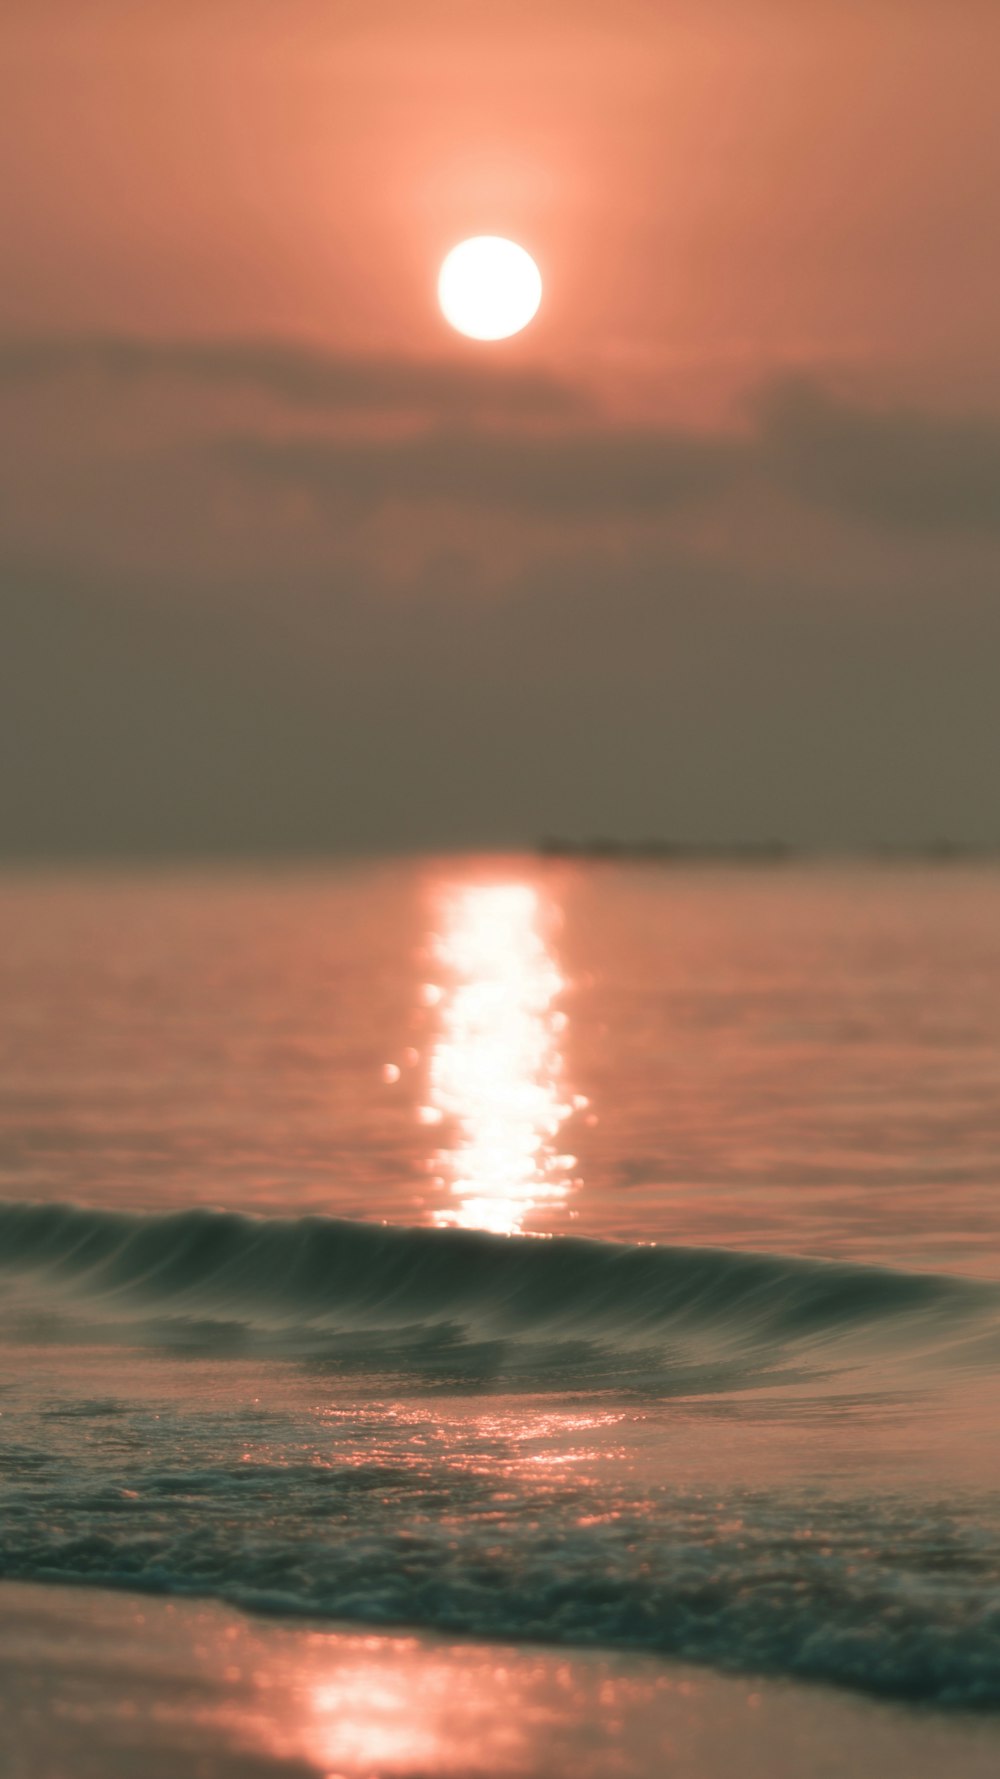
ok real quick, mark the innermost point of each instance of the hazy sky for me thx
(711, 550)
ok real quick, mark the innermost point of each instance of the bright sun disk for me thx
(489, 288)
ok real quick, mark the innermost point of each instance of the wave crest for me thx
(365, 1293)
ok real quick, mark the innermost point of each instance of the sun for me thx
(489, 288)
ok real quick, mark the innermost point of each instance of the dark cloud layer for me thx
(300, 376)
(895, 466)
(903, 469)
(678, 699)
(477, 439)
(196, 673)
(569, 475)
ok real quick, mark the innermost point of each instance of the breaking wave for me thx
(465, 1303)
(378, 1506)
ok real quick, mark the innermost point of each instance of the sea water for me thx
(597, 1254)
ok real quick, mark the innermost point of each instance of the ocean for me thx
(592, 1255)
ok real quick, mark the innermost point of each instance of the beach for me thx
(105, 1686)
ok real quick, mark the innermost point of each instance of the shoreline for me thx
(105, 1683)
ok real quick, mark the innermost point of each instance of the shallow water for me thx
(387, 1401)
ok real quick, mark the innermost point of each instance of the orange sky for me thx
(712, 547)
(711, 189)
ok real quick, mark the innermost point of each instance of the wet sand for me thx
(103, 1685)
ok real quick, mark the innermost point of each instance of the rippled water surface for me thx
(800, 1059)
(275, 1324)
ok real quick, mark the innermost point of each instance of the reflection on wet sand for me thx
(495, 1078)
(107, 1685)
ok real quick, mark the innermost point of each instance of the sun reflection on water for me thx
(495, 1077)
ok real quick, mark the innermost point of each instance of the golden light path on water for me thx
(495, 1077)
